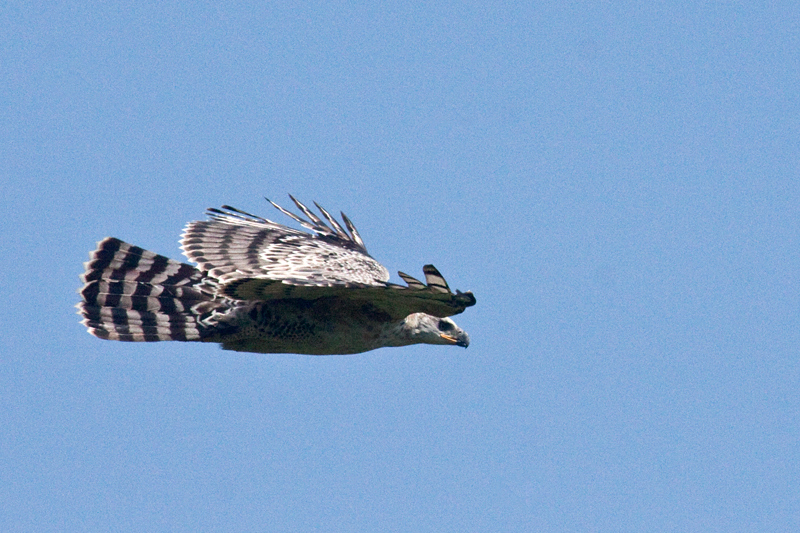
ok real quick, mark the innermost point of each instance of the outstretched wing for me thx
(233, 245)
(254, 258)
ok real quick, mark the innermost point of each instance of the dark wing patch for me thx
(395, 300)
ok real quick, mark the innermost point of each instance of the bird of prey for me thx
(263, 287)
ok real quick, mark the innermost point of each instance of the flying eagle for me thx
(263, 287)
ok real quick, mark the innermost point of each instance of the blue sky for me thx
(617, 182)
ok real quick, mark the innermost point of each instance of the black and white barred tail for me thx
(130, 294)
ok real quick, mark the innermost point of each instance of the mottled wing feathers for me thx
(254, 258)
(234, 245)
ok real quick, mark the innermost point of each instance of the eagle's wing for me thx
(396, 301)
(252, 258)
(234, 245)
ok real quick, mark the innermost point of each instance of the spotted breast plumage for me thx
(263, 287)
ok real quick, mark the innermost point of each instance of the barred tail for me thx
(130, 294)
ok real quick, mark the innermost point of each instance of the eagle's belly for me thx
(325, 326)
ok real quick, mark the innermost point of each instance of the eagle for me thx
(263, 287)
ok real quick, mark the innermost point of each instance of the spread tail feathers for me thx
(130, 294)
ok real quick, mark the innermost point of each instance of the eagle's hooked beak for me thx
(452, 340)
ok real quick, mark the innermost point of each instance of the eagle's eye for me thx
(445, 326)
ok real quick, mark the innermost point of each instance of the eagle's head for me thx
(427, 329)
